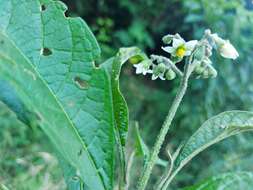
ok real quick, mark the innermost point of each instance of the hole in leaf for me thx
(80, 152)
(43, 7)
(38, 117)
(96, 65)
(66, 13)
(76, 178)
(82, 84)
(46, 52)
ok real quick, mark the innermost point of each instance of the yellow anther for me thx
(180, 52)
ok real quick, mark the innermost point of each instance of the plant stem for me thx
(168, 181)
(169, 169)
(165, 127)
(128, 171)
(122, 164)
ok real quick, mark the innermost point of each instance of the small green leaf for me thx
(213, 131)
(121, 114)
(120, 110)
(228, 181)
(141, 148)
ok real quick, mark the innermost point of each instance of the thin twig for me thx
(165, 177)
(169, 169)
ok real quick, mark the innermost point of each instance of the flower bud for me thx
(136, 59)
(199, 69)
(199, 53)
(217, 40)
(158, 71)
(208, 50)
(206, 61)
(205, 74)
(170, 75)
(168, 38)
(227, 50)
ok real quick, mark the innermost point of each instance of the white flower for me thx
(180, 47)
(143, 67)
(158, 71)
(227, 50)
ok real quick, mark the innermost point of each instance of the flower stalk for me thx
(165, 127)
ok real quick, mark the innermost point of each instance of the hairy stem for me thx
(165, 127)
(122, 164)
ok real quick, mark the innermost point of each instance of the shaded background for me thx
(25, 159)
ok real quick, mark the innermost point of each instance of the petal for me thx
(168, 49)
(136, 65)
(146, 71)
(178, 42)
(191, 44)
(161, 77)
(187, 53)
(154, 77)
(139, 70)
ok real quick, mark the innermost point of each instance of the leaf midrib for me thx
(56, 100)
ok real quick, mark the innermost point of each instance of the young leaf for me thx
(229, 181)
(141, 149)
(212, 131)
(48, 62)
(120, 110)
(140, 146)
(113, 66)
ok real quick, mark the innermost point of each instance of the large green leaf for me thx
(229, 181)
(214, 130)
(48, 61)
(47, 73)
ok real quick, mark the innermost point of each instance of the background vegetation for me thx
(26, 162)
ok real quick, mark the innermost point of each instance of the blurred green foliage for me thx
(23, 164)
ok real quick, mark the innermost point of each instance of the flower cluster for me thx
(199, 52)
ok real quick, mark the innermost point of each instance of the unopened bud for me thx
(168, 38)
(170, 75)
